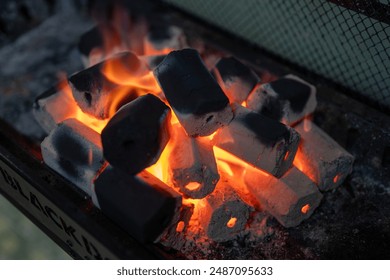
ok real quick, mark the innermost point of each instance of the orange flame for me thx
(209, 137)
(236, 165)
(225, 167)
(235, 169)
(174, 119)
(160, 168)
(130, 76)
(76, 112)
(150, 50)
(118, 71)
(111, 44)
(303, 164)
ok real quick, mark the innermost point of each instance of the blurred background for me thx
(20, 239)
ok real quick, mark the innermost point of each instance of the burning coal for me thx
(175, 143)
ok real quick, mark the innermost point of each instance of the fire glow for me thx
(236, 169)
(227, 163)
(74, 110)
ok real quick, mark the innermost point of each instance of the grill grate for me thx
(347, 42)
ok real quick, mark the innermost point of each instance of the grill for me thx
(69, 217)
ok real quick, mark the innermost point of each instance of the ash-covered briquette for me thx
(163, 38)
(210, 58)
(196, 98)
(142, 205)
(235, 78)
(192, 167)
(175, 235)
(75, 151)
(290, 199)
(137, 134)
(99, 43)
(91, 46)
(288, 99)
(152, 61)
(259, 141)
(95, 93)
(321, 158)
(223, 214)
(91, 39)
(52, 107)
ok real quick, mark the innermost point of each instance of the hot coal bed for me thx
(183, 146)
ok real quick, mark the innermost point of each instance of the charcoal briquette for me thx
(259, 141)
(54, 106)
(194, 95)
(290, 199)
(175, 235)
(142, 205)
(99, 43)
(235, 78)
(95, 93)
(223, 214)
(162, 38)
(192, 167)
(152, 61)
(288, 99)
(321, 158)
(137, 134)
(75, 151)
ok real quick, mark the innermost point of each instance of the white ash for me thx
(192, 163)
(74, 151)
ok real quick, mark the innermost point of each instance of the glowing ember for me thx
(192, 186)
(76, 113)
(231, 223)
(160, 168)
(336, 178)
(241, 187)
(174, 119)
(153, 51)
(223, 165)
(228, 157)
(121, 75)
(286, 156)
(303, 164)
(305, 209)
(321, 158)
(180, 226)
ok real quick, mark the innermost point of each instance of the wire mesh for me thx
(347, 42)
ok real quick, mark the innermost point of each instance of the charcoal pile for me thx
(186, 148)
